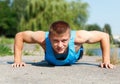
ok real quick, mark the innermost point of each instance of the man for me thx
(61, 45)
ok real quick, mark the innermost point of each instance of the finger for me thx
(101, 65)
(106, 66)
(17, 65)
(22, 65)
(111, 66)
(14, 65)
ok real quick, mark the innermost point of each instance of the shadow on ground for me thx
(43, 63)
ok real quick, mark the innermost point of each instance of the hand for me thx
(107, 65)
(18, 64)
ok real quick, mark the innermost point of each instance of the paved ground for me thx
(86, 71)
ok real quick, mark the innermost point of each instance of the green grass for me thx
(5, 50)
(89, 52)
(92, 46)
(4, 40)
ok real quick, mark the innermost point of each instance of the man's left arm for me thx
(103, 38)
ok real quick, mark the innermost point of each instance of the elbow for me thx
(18, 35)
(18, 41)
(106, 36)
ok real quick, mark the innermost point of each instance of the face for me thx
(60, 42)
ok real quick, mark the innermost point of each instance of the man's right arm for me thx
(20, 38)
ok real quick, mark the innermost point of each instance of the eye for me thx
(55, 41)
(64, 40)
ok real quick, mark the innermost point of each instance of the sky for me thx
(103, 12)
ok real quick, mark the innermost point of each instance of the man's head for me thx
(59, 34)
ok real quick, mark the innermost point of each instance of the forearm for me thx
(18, 46)
(103, 38)
(105, 46)
(17, 56)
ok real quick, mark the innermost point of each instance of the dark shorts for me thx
(81, 53)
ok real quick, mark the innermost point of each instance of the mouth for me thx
(61, 50)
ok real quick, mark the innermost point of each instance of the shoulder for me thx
(33, 36)
(38, 36)
(82, 36)
(30, 33)
(82, 33)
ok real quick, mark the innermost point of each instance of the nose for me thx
(60, 44)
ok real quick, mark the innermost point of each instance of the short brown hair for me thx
(59, 27)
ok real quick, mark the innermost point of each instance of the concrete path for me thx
(85, 71)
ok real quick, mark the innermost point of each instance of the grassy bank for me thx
(5, 49)
(88, 48)
(4, 40)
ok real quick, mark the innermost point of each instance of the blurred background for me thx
(21, 15)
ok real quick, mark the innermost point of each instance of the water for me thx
(98, 51)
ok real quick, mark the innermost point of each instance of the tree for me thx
(19, 7)
(107, 29)
(7, 19)
(39, 14)
(93, 27)
(79, 13)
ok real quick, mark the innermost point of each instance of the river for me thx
(113, 51)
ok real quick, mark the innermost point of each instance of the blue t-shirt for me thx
(71, 56)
